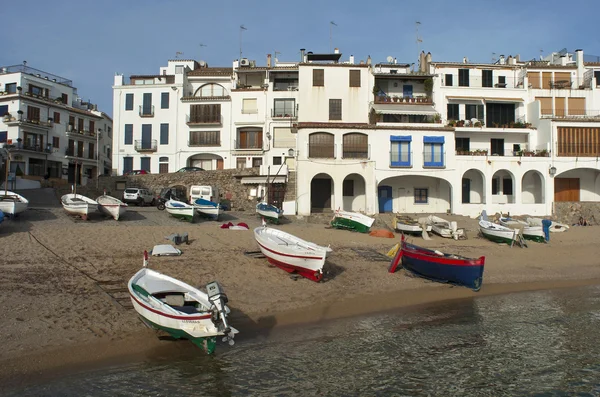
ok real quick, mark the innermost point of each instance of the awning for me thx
(504, 100)
(433, 139)
(258, 180)
(466, 99)
(404, 109)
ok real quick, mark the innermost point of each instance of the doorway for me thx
(384, 195)
(320, 195)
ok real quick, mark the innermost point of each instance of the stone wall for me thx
(227, 181)
(569, 212)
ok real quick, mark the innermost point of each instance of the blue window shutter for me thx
(164, 100)
(3, 110)
(3, 136)
(433, 139)
(128, 134)
(401, 138)
(400, 155)
(127, 164)
(164, 134)
(128, 101)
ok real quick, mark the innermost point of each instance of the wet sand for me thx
(64, 303)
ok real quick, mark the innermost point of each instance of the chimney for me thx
(563, 60)
(427, 62)
(510, 60)
(302, 50)
(395, 61)
(422, 61)
(579, 57)
(517, 58)
(336, 50)
(351, 59)
(502, 62)
(268, 60)
(369, 60)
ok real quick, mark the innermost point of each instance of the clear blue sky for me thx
(89, 41)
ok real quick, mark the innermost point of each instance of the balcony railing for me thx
(145, 145)
(578, 149)
(22, 121)
(401, 160)
(480, 82)
(31, 148)
(147, 111)
(570, 113)
(284, 114)
(238, 146)
(205, 120)
(79, 154)
(391, 99)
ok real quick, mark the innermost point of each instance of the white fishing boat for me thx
(268, 212)
(291, 253)
(529, 232)
(77, 204)
(444, 228)
(12, 203)
(407, 225)
(511, 222)
(111, 206)
(180, 210)
(207, 208)
(498, 233)
(170, 305)
(555, 227)
(352, 221)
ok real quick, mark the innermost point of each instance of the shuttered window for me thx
(354, 78)
(335, 109)
(164, 134)
(33, 113)
(205, 138)
(318, 77)
(321, 145)
(463, 77)
(534, 79)
(355, 146)
(205, 113)
(577, 107)
(546, 79)
(249, 138)
(284, 138)
(578, 142)
(545, 105)
(128, 134)
(249, 106)
(128, 101)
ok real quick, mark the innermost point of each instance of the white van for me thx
(209, 193)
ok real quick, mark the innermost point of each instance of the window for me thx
(321, 145)
(249, 106)
(55, 142)
(355, 146)
(127, 164)
(448, 80)
(65, 98)
(39, 91)
(433, 151)
(205, 138)
(500, 114)
(277, 160)
(10, 88)
(128, 134)
(283, 137)
(318, 77)
(249, 138)
(497, 146)
(421, 196)
(36, 167)
(3, 136)
(91, 151)
(211, 90)
(501, 82)
(209, 114)
(256, 162)
(348, 187)
(164, 134)
(179, 69)
(240, 163)
(495, 185)
(145, 164)
(335, 109)
(354, 78)
(474, 112)
(164, 101)
(147, 104)
(92, 126)
(33, 113)
(128, 101)
(487, 78)
(163, 165)
(507, 187)
(56, 117)
(72, 121)
(463, 77)
(284, 108)
(453, 111)
(462, 144)
(80, 126)
(3, 110)
(400, 155)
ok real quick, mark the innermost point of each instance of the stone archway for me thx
(354, 195)
(321, 193)
(207, 161)
(503, 187)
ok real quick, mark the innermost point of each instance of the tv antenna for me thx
(242, 28)
(419, 40)
(177, 54)
(493, 57)
(331, 24)
(202, 45)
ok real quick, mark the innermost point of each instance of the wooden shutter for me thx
(545, 105)
(318, 77)
(562, 76)
(577, 106)
(354, 78)
(219, 164)
(546, 79)
(534, 79)
(559, 107)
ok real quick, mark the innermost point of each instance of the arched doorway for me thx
(532, 190)
(473, 187)
(354, 197)
(206, 161)
(503, 187)
(321, 193)
(418, 194)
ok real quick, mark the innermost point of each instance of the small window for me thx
(65, 98)
(348, 187)
(453, 111)
(240, 163)
(10, 88)
(318, 77)
(276, 160)
(249, 106)
(164, 100)
(164, 134)
(335, 109)
(421, 196)
(463, 77)
(354, 78)
(448, 80)
(128, 101)
(487, 78)
(128, 135)
(55, 142)
(3, 110)
(507, 187)
(57, 117)
(4, 136)
(256, 162)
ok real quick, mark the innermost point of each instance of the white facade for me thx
(48, 129)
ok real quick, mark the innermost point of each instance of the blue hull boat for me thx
(269, 212)
(206, 208)
(438, 266)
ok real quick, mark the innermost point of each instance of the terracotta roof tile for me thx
(211, 72)
(365, 126)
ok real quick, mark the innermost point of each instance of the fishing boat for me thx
(291, 253)
(498, 233)
(207, 208)
(268, 212)
(77, 204)
(439, 266)
(511, 222)
(444, 228)
(1, 216)
(184, 312)
(532, 233)
(555, 227)
(12, 203)
(111, 206)
(407, 225)
(352, 221)
(180, 210)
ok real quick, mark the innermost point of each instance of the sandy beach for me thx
(63, 283)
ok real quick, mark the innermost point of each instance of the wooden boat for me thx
(77, 204)
(1, 216)
(532, 233)
(12, 203)
(407, 225)
(555, 227)
(291, 253)
(170, 305)
(268, 212)
(111, 206)
(207, 208)
(352, 221)
(511, 222)
(438, 266)
(444, 228)
(498, 233)
(180, 210)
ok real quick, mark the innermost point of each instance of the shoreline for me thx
(145, 345)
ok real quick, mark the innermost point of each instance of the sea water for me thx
(542, 343)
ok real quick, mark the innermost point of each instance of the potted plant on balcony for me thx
(7, 116)
(395, 98)
(541, 153)
(437, 118)
(428, 85)
(451, 123)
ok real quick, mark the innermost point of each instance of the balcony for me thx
(72, 132)
(247, 147)
(28, 147)
(570, 114)
(72, 152)
(146, 111)
(495, 83)
(284, 114)
(145, 145)
(201, 143)
(202, 120)
(28, 123)
(407, 100)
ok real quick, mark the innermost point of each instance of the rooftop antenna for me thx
(419, 40)
(201, 45)
(331, 24)
(541, 54)
(242, 28)
(276, 52)
(177, 54)
(493, 57)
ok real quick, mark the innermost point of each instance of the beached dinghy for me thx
(532, 233)
(407, 225)
(511, 222)
(291, 253)
(207, 208)
(172, 306)
(111, 206)
(438, 266)
(498, 233)
(444, 228)
(180, 210)
(12, 203)
(268, 212)
(352, 221)
(555, 227)
(77, 204)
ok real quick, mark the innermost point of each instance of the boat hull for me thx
(269, 212)
(116, 211)
(352, 221)
(12, 203)
(180, 210)
(76, 204)
(534, 233)
(498, 233)
(208, 212)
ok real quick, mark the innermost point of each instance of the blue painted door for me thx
(407, 91)
(384, 193)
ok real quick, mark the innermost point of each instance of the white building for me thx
(48, 129)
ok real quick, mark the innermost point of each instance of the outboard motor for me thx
(218, 299)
